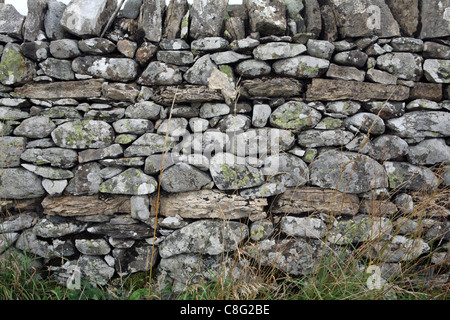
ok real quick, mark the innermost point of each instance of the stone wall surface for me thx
(189, 131)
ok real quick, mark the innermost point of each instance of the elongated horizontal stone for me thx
(331, 90)
(59, 90)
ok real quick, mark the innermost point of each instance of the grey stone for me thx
(200, 71)
(92, 247)
(157, 162)
(56, 157)
(422, 104)
(231, 173)
(36, 50)
(159, 73)
(85, 18)
(177, 127)
(324, 138)
(151, 19)
(115, 69)
(354, 58)
(148, 144)
(287, 169)
(12, 21)
(133, 126)
(379, 76)
(34, 22)
(140, 207)
(261, 114)
(253, 68)
(320, 49)
(406, 44)
(406, 12)
(267, 17)
(386, 110)
(173, 44)
(131, 9)
(403, 175)
(228, 57)
(28, 241)
(278, 50)
(244, 45)
(208, 44)
(96, 46)
(364, 18)
(437, 70)
(388, 147)
(210, 142)
(183, 177)
(35, 127)
(12, 149)
(58, 69)
(176, 57)
(345, 73)
(176, 12)
(49, 172)
(12, 114)
(303, 227)
(205, 236)
(83, 134)
(436, 50)
(143, 110)
(420, 124)
(140, 258)
(7, 240)
(365, 122)
(294, 116)
(211, 110)
(342, 109)
(350, 172)
(112, 151)
(64, 49)
(54, 188)
(57, 227)
(14, 68)
(207, 18)
(233, 123)
(301, 67)
(404, 65)
(95, 269)
(435, 19)
(132, 182)
(429, 152)
(397, 249)
(18, 222)
(52, 25)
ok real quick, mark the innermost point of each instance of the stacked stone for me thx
(213, 120)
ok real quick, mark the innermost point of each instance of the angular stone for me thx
(151, 19)
(148, 144)
(64, 49)
(273, 87)
(57, 227)
(58, 90)
(159, 73)
(286, 169)
(421, 124)
(313, 17)
(295, 116)
(406, 12)
(365, 122)
(435, 19)
(397, 249)
(388, 147)
(436, 50)
(429, 152)
(176, 10)
(70, 206)
(303, 227)
(347, 172)
(430, 91)
(208, 44)
(36, 50)
(324, 138)
(352, 58)
(28, 241)
(229, 173)
(188, 94)
(12, 21)
(54, 188)
(403, 175)
(364, 18)
(437, 70)
(207, 18)
(34, 23)
(342, 109)
(140, 258)
(228, 57)
(18, 222)
(92, 247)
(113, 151)
(183, 177)
(422, 104)
(14, 68)
(206, 237)
(278, 50)
(128, 92)
(382, 77)
(200, 71)
(131, 9)
(12, 148)
(49, 172)
(329, 24)
(131, 182)
(127, 48)
(233, 123)
(145, 52)
(12, 114)
(404, 65)
(261, 114)
(144, 110)
(115, 69)
(19, 183)
(134, 126)
(176, 128)
(346, 73)
(405, 44)
(267, 17)
(53, 28)
(95, 269)
(84, 18)
(140, 208)
(244, 45)
(58, 69)
(176, 57)
(83, 134)
(331, 90)
(301, 67)
(96, 46)
(56, 157)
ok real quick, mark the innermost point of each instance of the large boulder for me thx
(85, 18)
(347, 172)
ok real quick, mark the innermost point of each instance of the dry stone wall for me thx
(166, 136)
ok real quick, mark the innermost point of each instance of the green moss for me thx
(290, 118)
